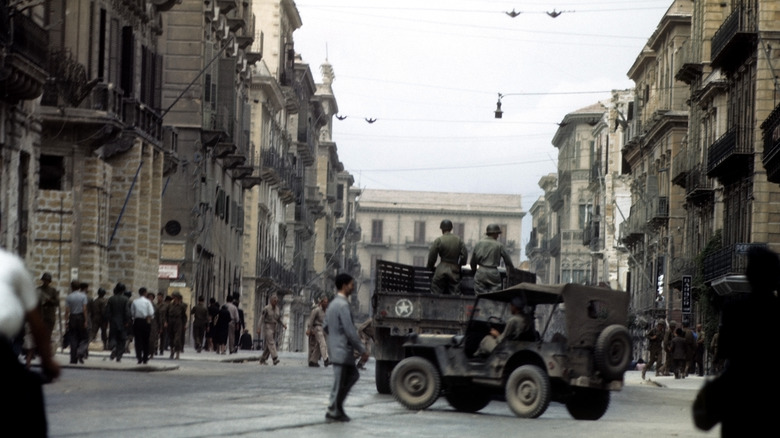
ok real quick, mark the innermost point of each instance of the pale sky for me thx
(429, 72)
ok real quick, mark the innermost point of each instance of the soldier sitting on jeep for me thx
(518, 325)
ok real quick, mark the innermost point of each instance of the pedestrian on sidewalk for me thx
(679, 352)
(343, 340)
(221, 328)
(200, 322)
(97, 312)
(76, 313)
(118, 315)
(142, 312)
(234, 318)
(177, 324)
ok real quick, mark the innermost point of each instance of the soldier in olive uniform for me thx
(654, 340)
(453, 253)
(177, 324)
(49, 303)
(97, 311)
(318, 348)
(488, 254)
(270, 319)
(200, 322)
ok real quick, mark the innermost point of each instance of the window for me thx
(459, 229)
(376, 231)
(51, 173)
(502, 236)
(419, 261)
(419, 231)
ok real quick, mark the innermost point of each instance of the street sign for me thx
(686, 294)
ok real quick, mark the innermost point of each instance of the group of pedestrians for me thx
(485, 260)
(677, 351)
(220, 325)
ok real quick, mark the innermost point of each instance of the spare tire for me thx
(613, 351)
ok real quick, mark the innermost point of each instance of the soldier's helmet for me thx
(446, 225)
(493, 229)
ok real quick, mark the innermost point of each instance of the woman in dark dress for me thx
(221, 328)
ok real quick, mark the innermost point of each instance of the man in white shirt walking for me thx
(142, 311)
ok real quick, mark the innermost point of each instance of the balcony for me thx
(731, 260)
(658, 210)
(690, 61)
(680, 169)
(143, 119)
(378, 243)
(633, 229)
(729, 156)
(698, 188)
(771, 135)
(735, 40)
(26, 49)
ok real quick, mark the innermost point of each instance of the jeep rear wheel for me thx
(382, 370)
(613, 351)
(464, 401)
(528, 391)
(588, 404)
(415, 383)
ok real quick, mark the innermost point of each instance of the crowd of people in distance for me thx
(151, 323)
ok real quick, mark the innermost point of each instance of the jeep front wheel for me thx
(415, 383)
(464, 401)
(528, 391)
(588, 404)
(613, 351)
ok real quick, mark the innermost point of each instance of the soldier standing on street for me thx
(50, 303)
(97, 311)
(177, 324)
(200, 321)
(654, 339)
(317, 345)
(270, 318)
(118, 315)
(453, 253)
(488, 254)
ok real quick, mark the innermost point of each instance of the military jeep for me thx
(574, 352)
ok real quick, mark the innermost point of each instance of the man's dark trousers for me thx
(345, 376)
(141, 331)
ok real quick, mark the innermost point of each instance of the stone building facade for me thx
(103, 155)
(399, 226)
(659, 125)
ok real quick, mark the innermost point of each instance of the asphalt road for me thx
(200, 396)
